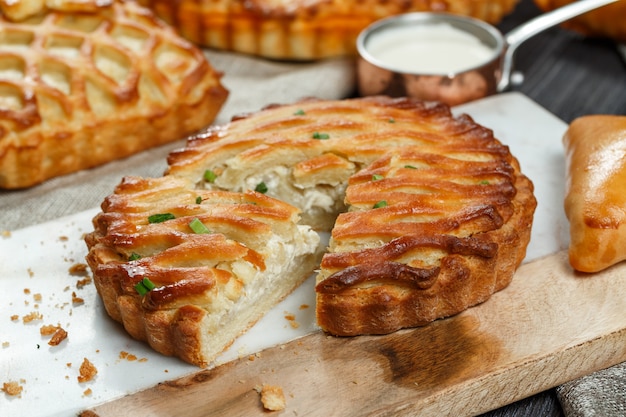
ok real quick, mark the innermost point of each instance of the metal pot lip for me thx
(458, 21)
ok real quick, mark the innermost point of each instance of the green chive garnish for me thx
(392, 120)
(410, 167)
(160, 217)
(144, 286)
(377, 177)
(300, 112)
(380, 204)
(484, 182)
(198, 200)
(318, 135)
(261, 188)
(134, 256)
(198, 227)
(209, 176)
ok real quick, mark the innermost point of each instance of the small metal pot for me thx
(375, 76)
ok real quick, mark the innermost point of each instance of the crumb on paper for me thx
(30, 272)
(58, 336)
(272, 397)
(64, 238)
(26, 291)
(32, 316)
(48, 329)
(6, 234)
(78, 269)
(87, 371)
(5, 345)
(15, 317)
(87, 392)
(12, 388)
(76, 300)
(82, 282)
(304, 306)
(292, 320)
(130, 357)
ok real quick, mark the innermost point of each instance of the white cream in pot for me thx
(431, 48)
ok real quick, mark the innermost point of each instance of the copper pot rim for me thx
(483, 31)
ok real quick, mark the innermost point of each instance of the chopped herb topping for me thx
(300, 112)
(160, 217)
(410, 167)
(318, 135)
(380, 204)
(484, 182)
(198, 200)
(261, 188)
(392, 120)
(144, 286)
(134, 256)
(209, 176)
(198, 227)
(377, 177)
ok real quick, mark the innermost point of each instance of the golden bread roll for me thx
(434, 214)
(299, 29)
(595, 199)
(99, 82)
(608, 21)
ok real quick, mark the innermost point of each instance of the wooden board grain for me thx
(551, 325)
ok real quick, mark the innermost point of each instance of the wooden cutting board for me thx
(551, 325)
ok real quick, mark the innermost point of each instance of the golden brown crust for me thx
(108, 90)
(458, 210)
(207, 284)
(455, 226)
(596, 191)
(300, 29)
(608, 21)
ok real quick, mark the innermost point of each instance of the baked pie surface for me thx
(84, 83)
(300, 29)
(429, 214)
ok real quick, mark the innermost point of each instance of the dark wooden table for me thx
(571, 76)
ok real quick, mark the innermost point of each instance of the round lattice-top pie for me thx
(428, 215)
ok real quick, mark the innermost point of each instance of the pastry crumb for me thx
(272, 397)
(59, 335)
(6, 234)
(82, 282)
(78, 269)
(32, 316)
(87, 371)
(12, 388)
(48, 329)
(76, 299)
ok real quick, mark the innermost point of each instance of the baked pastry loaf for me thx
(298, 29)
(608, 21)
(86, 82)
(595, 199)
(435, 217)
(219, 261)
